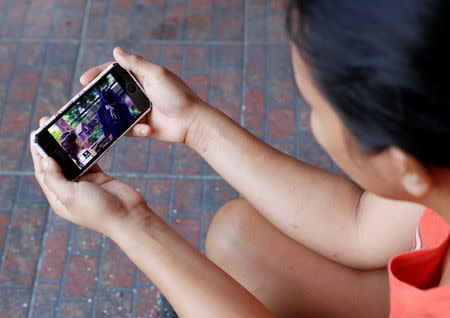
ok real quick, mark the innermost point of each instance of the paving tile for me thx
(114, 303)
(30, 191)
(80, 276)
(84, 241)
(153, 28)
(96, 20)
(187, 195)
(32, 56)
(197, 57)
(117, 269)
(255, 106)
(79, 309)
(161, 162)
(281, 90)
(38, 24)
(199, 83)
(176, 17)
(8, 191)
(158, 146)
(4, 221)
(173, 52)
(148, 302)
(54, 19)
(255, 75)
(17, 12)
(54, 254)
(14, 302)
(229, 24)
(132, 154)
(279, 57)
(159, 190)
(199, 27)
(226, 92)
(282, 124)
(24, 240)
(57, 221)
(7, 70)
(187, 161)
(23, 79)
(68, 22)
(8, 51)
(45, 299)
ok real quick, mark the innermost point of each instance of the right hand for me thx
(175, 105)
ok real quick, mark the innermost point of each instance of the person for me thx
(70, 143)
(112, 114)
(303, 242)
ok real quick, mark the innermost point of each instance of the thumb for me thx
(135, 63)
(140, 130)
(56, 182)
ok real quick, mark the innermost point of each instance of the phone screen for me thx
(94, 121)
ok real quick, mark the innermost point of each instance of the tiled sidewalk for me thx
(233, 53)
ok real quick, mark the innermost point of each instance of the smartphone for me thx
(83, 130)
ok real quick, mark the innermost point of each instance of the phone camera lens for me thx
(131, 87)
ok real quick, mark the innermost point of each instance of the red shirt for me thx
(414, 276)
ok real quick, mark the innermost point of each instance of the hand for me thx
(96, 201)
(175, 105)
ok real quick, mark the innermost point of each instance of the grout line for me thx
(71, 227)
(129, 175)
(151, 41)
(98, 277)
(80, 46)
(202, 216)
(39, 265)
(35, 106)
(244, 66)
(8, 228)
(14, 287)
(62, 280)
(266, 76)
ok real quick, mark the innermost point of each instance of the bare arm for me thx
(314, 207)
(194, 285)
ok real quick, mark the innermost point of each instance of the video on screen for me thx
(94, 120)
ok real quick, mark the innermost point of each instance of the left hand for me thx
(96, 201)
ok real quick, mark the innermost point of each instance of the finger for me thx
(140, 130)
(95, 175)
(35, 156)
(55, 181)
(43, 120)
(90, 74)
(136, 64)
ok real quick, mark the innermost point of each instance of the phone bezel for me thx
(47, 145)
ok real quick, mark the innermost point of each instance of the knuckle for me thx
(138, 59)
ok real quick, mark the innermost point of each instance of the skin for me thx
(300, 241)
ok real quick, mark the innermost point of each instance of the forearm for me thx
(194, 286)
(312, 206)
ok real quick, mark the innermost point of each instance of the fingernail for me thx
(121, 51)
(45, 163)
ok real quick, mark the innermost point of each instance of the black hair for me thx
(68, 142)
(384, 66)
